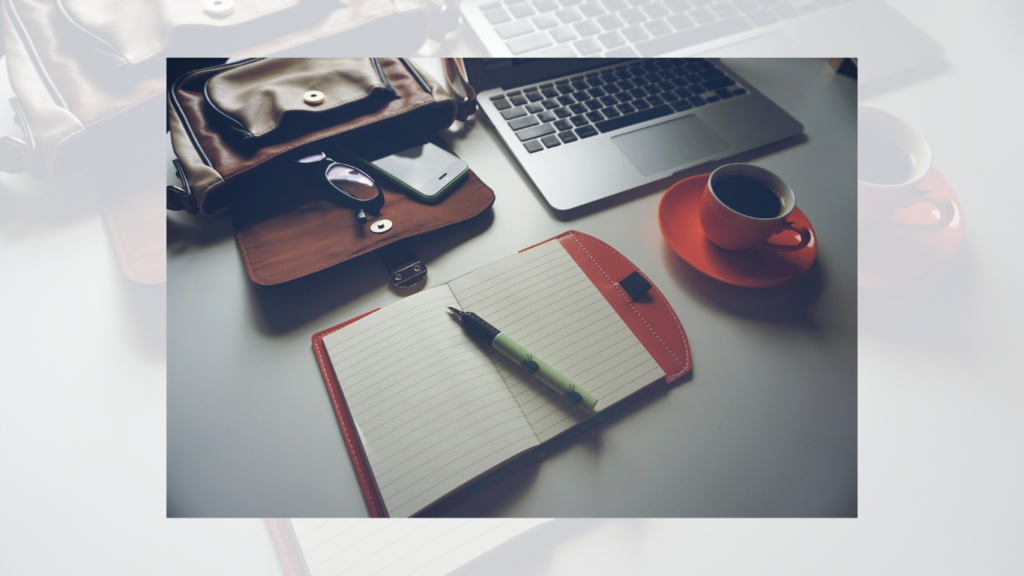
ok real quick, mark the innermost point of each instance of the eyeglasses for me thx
(354, 185)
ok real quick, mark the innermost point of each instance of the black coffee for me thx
(748, 196)
(880, 160)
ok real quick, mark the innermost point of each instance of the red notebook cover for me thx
(650, 317)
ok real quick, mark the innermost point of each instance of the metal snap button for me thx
(380, 226)
(218, 8)
(313, 98)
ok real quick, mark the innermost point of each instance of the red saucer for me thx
(889, 257)
(757, 268)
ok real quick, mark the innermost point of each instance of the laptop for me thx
(584, 129)
(885, 42)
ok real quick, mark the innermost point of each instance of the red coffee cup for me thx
(744, 206)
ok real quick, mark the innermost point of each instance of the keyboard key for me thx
(587, 28)
(626, 108)
(631, 119)
(677, 6)
(716, 83)
(534, 107)
(550, 104)
(592, 9)
(586, 132)
(709, 74)
(521, 10)
(609, 100)
(545, 5)
(638, 92)
(548, 116)
(562, 112)
(670, 95)
(691, 37)
(626, 85)
(680, 21)
(655, 100)
(640, 104)
(745, 5)
(580, 85)
(697, 101)
(545, 21)
(578, 108)
(723, 10)
(739, 92)
(567, 136)
(702, 15)
(579, 120)
(593, 104)
(614, 5)
(786, 11)
(525, 122)
(635, 33)
(763, 17)
(551, 141)
(516, 112)
(624, 96)
(595, 116)
(611, 112)
(533, 41)
(561, 35)
(513, 29)
(658, 27)
(533, 95)
(535, 132)
(566, 100)
(565, 88)
(595, 92)
(497, 16)
(502, 104)
(562, 124)
(610, 22)
(534, 146)
(711, 99)
(569, 15)
(724, 93)
(587, 46)
(681, 105)
(490, 5)
(633, 16)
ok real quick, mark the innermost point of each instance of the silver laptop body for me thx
(572, 173)
(885, 42)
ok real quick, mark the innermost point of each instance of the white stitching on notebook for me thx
(284, 549)
(330, 390)
(683, 366)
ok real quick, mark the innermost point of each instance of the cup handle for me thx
(805, 237)
(946, 213)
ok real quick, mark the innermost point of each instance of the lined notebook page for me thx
(431, 409)
(543, 300)
(424, 547)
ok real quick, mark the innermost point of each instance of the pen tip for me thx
(455, 311)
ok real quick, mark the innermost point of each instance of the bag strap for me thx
(455, 74)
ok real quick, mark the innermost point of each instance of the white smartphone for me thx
(425, 171)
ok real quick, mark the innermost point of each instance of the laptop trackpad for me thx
(669, 145)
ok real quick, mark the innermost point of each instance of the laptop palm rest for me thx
(669, 145)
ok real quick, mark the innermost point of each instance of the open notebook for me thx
(426, 409)
(360, 547)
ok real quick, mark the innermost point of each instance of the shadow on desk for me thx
(791, 304)
(285, 307)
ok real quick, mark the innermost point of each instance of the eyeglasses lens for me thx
(352, 181)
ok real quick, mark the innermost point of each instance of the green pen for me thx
(542, 370)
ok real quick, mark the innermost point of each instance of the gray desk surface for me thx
(766, 426)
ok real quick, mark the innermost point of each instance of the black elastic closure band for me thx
(635, 285)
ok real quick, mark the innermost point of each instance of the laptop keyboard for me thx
(631, 28)
(570, 109)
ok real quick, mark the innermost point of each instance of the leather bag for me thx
(237, 130)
